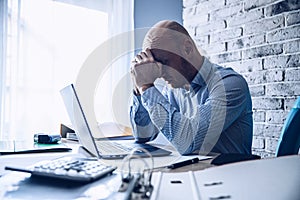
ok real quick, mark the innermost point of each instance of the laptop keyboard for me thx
(113, 147)
(75, 169)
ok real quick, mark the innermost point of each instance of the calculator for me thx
(69, 168)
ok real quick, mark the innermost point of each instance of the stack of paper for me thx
(276, 178)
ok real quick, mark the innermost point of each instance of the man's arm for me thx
(143, 128)
(180, 130)
(201, 131)
(144, 71)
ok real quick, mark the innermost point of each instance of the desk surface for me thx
(23, 160)
(15, 185)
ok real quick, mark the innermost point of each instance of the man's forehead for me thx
(154, 38)
(164, 39)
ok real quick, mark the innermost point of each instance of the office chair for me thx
(289, 141)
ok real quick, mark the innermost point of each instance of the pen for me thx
(183, 163)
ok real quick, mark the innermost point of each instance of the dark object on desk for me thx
(17, 147)
(70, 169)
(289, 141)
(43, 138)
(232, 157)
(64, 130)
(183, 163)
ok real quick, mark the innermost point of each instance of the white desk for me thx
(259, 179)
(24, 160)
(16, 185)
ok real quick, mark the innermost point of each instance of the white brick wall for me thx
(261, 40)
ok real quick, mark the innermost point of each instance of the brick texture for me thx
(260, 39)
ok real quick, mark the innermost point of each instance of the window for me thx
(46, 43)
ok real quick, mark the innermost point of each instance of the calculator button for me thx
(72, 172)
(60, 172)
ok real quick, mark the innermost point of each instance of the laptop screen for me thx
(78, 119)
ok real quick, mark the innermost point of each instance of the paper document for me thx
(276, 179)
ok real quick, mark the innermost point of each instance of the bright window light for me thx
(46, 45)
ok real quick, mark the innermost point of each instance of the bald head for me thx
(172, 37)
(172, 25)
(165, 32)
(172, 46)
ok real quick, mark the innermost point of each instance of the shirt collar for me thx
(203, 74)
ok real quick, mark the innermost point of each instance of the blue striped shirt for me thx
(214, 115)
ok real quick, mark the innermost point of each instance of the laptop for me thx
(104, 149)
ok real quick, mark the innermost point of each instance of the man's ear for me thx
(188, 48)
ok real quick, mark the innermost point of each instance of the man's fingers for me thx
(144, 69)
(139, 58)
(132, 71)
(144, 57)
(149, 55)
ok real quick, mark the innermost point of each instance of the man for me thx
(205, 108)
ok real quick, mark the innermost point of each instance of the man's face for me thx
(173, 71)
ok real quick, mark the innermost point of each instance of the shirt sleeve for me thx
(180, 130)
(143, 128)
(199, 132)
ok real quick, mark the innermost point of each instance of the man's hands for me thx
(144, 71)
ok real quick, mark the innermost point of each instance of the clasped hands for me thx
(144, 71)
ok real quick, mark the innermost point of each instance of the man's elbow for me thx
(142, 140)
(184, 151)
(145, 139)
